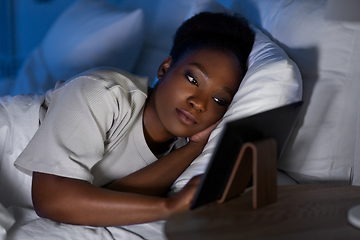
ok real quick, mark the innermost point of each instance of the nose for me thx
(198, 104)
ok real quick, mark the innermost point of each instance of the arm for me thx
(84, 109)
(157, 178)
(78, 202)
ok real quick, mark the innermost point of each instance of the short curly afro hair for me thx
(220, 31)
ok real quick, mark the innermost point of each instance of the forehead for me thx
(212, 57)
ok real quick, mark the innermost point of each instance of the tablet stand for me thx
(256, 159)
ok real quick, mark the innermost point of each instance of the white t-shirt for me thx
(92, 129)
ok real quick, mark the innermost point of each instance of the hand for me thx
(203, 136)
(182, 200)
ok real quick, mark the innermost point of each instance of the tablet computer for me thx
(276, 123)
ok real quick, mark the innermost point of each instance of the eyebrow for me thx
(201, 68)
(206, 74)
(228, 90)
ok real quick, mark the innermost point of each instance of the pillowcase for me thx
(326, 146)
(90, 33)
(272, 80)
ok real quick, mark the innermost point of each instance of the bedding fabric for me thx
(90, 33)
(325, 148)
(18, 122)
(6, 222)
(29, 226)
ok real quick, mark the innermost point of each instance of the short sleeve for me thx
(70, 141)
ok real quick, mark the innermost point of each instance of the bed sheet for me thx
(6, 221)
(18, 122)
(29, 226)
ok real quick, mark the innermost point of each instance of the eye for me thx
(219, 101)
(191, 79)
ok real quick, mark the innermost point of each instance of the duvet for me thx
(19, 120)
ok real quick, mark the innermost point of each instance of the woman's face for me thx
(195, 93)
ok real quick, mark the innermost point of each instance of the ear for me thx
(164, 67)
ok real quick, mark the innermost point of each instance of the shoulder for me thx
(102, 83)
(105, 79)
(108, 90)
(113, 78)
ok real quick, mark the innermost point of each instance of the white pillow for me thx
(90, 33)
(326, 147)
(272, 80)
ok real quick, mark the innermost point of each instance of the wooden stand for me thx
(256, 159)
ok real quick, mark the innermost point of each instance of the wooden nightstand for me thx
(301, 212)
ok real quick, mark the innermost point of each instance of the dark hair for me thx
(215, 31)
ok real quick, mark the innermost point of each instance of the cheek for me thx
(164, 95)
(214, 115)
(169, 89)
(166, 99)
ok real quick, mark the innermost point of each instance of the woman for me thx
(103, 153)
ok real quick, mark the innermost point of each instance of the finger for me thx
(194, 181)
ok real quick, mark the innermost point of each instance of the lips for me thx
(186, 117)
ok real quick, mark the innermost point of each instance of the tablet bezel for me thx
(276, 123)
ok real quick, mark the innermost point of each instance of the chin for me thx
(184, 133)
